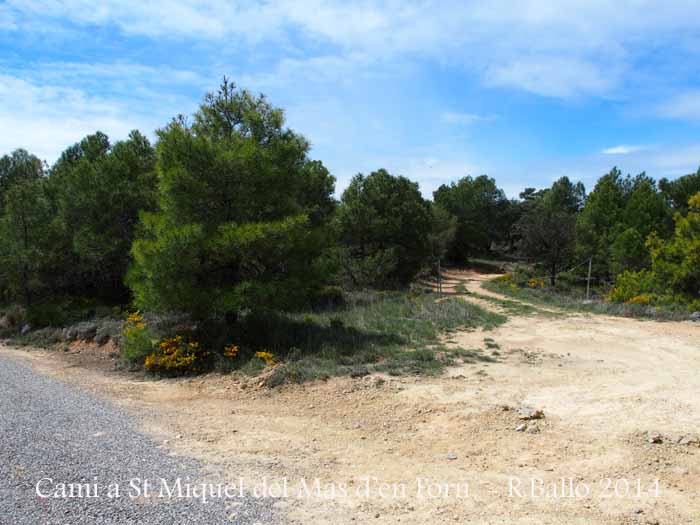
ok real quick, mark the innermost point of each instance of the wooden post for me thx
(588, 281)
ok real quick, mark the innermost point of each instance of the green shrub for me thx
(330, 296)
(137, 341)
(15, 316)
(47, 314)
(630, 285)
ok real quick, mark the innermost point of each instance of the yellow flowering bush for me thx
(506, 277)
(231, 351)
(629, 285)
(135, 321)
(639, 299)
(535, 282)
(137, 342)
(176, 356)
(267, 357)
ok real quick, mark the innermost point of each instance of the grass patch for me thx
(511, 307)
(397, 333)
(473, 355)
(574, 302)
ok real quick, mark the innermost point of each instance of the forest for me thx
(227, 219)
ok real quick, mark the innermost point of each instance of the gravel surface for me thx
(55, 431)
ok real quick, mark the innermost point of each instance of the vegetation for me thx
(547, 228)
(242, 212)
(391, 332)
(383, 224)
(227, 225)
(482, 214)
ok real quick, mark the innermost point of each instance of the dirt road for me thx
(453, 448)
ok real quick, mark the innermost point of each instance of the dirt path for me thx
(605, 384)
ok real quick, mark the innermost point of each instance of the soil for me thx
(617, 442)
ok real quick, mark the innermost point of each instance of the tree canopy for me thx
(481, 209)
(241, 212)
(383, 224)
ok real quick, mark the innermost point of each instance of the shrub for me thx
(178, 356)
(137, 342)
(15, 315)
(535, 283)
(267, 357)
(330, 296)
(630, 285)
(47, 314)
(639, 299)
(230, 351)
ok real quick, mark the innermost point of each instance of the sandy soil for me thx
(453, 448)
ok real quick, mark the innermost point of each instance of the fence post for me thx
(588, 281)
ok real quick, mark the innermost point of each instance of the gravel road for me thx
(53, 434)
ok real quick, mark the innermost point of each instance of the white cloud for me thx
(45, 119)
(554, 77)
(623, 149)
(685, 106)
(553, 49)
(678, 160)
(466, 119)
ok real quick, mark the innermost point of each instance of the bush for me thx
(48, 314)
(639, 299)
(535, 282)
(330, 296)
(178, 356)
(630, 285)
(137, 341)
(15, 316)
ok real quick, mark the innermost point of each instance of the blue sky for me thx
(525, 91)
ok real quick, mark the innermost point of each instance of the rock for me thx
(528, 413)
(689, 440)
(102, 337)
(451, 456)
(5, 323)
(695, 316)
(521, 427)
(87, 332)
(25, 329)
(656, 439)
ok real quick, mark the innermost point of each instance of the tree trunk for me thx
(553, 274)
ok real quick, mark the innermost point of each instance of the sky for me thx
(525, 91)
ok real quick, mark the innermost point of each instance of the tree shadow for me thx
(284, 335)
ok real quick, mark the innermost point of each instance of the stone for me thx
(528, 413)
(87, 332)
(451, 456)
(521, 427)
(695, 316)
(656, 439)
(102, 337)
(688, 440)
(25, 329)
